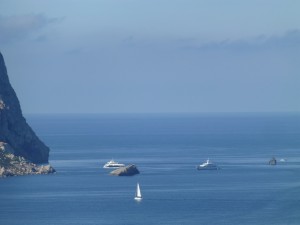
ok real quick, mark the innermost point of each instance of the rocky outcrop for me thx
(11, 165)
(273, 161)
(14, 129)
(125, 171)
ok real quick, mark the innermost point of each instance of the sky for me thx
(152, 56)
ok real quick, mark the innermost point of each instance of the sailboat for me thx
(138, 194)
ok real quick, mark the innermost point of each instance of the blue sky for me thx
(142, 56)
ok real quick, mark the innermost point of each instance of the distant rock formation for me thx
(11, 165)
(14, 129)
(125, 171)
(273, 161)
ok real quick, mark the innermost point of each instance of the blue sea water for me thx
(166, 150)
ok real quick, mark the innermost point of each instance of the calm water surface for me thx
(166, 149)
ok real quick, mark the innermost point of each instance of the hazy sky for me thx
(102, 56)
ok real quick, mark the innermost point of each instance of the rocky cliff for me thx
(11, 165)
(14, 129)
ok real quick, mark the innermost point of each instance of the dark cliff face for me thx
(13, 127)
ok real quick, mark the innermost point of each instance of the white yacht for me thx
(113, 164)
(208, 165)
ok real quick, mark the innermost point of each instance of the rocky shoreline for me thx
(11, 165)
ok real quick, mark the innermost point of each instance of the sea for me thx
(166, 148)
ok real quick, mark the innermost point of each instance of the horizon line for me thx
(161, 113)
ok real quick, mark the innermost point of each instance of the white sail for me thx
(138, 194)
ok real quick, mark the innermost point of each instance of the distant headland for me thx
(20, 148)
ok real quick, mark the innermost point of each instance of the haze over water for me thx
(141, 56)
